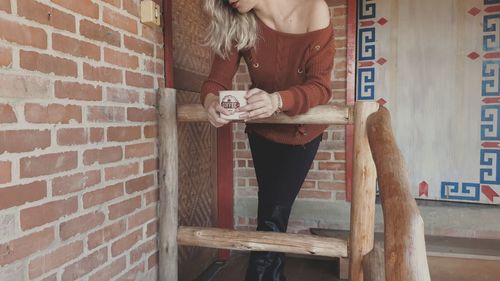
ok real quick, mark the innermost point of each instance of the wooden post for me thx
(363, 193)
(168, 183)
(404, 241)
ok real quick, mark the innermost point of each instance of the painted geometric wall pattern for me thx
(417, 80)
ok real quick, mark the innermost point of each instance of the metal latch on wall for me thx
(150, 13)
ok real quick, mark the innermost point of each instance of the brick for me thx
(74, 183)
(111, 270)
(100, 33)
(332, 166)
(106, 234)
(20, 194)
(77, 91)
(339, 155)
(121, 172)
(150, 165)
(103, 195)
(96, 135)
(138, 45)
(83, 7)
(323, 156)
(149, 66)
(160, 68)
(160, 53)
(152, 196)
(103, 74)
(131, 6)
(142, 217)
(139, 184)
(122, 95)
(153, 261)
(124, 208)
(143, 250)
(134, 273)
(102, 155)
(141, 114)
(80, 225)
(126, 243)
(340, 196)
(48, 164)
(71, 136)
(22, 34)
(107, 114)
(151, 131)
(340, 186)
(152, 229)
(55, 259)
(315, 194)
(5, 6)
(116, 3)
(20, 86)
(5, 57)
(139, 80)
(47, 64)
(39, 12)
(120, 21)
(23, 140)
(75, 47)
(5, 172)
(48, 212)
(121, 59)
(150, 99)
(84, 266)
(124, 133)
(25, 246)
(139, 150)
(152, 34)
(52, 113)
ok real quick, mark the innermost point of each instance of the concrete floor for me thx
(297, 268)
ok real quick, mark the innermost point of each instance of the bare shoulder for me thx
(319, 15)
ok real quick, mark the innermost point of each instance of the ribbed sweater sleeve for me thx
(221, 74)
(316, 88)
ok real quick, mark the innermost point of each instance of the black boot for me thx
(269, 266)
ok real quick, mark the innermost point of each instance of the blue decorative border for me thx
(489, 157)
(367, 9)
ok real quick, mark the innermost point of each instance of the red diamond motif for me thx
(473, 55)
(381, 61)
(381, 101)
(382, 21)
(474, 11)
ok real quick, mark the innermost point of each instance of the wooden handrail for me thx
(404, 241)
(322, 114)
(261, 241)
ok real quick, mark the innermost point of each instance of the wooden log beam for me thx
(405, 254)
(168, 183)
(261, 241)
(322, 114)
(363, 193)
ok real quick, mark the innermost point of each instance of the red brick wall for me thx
(78, 159)
(326, 179)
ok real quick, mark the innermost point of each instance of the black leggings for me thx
(281, 170)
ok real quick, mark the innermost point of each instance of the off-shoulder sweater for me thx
(297, 66)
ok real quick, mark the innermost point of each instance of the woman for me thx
(288, 47)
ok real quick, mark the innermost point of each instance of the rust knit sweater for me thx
(297, 66)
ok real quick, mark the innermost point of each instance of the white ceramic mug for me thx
(231, 100)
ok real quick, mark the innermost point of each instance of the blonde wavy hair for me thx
(229, 28)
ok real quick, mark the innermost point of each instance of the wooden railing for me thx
(361, 238)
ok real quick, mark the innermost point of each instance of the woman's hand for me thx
(260, 104)
(213, 108)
